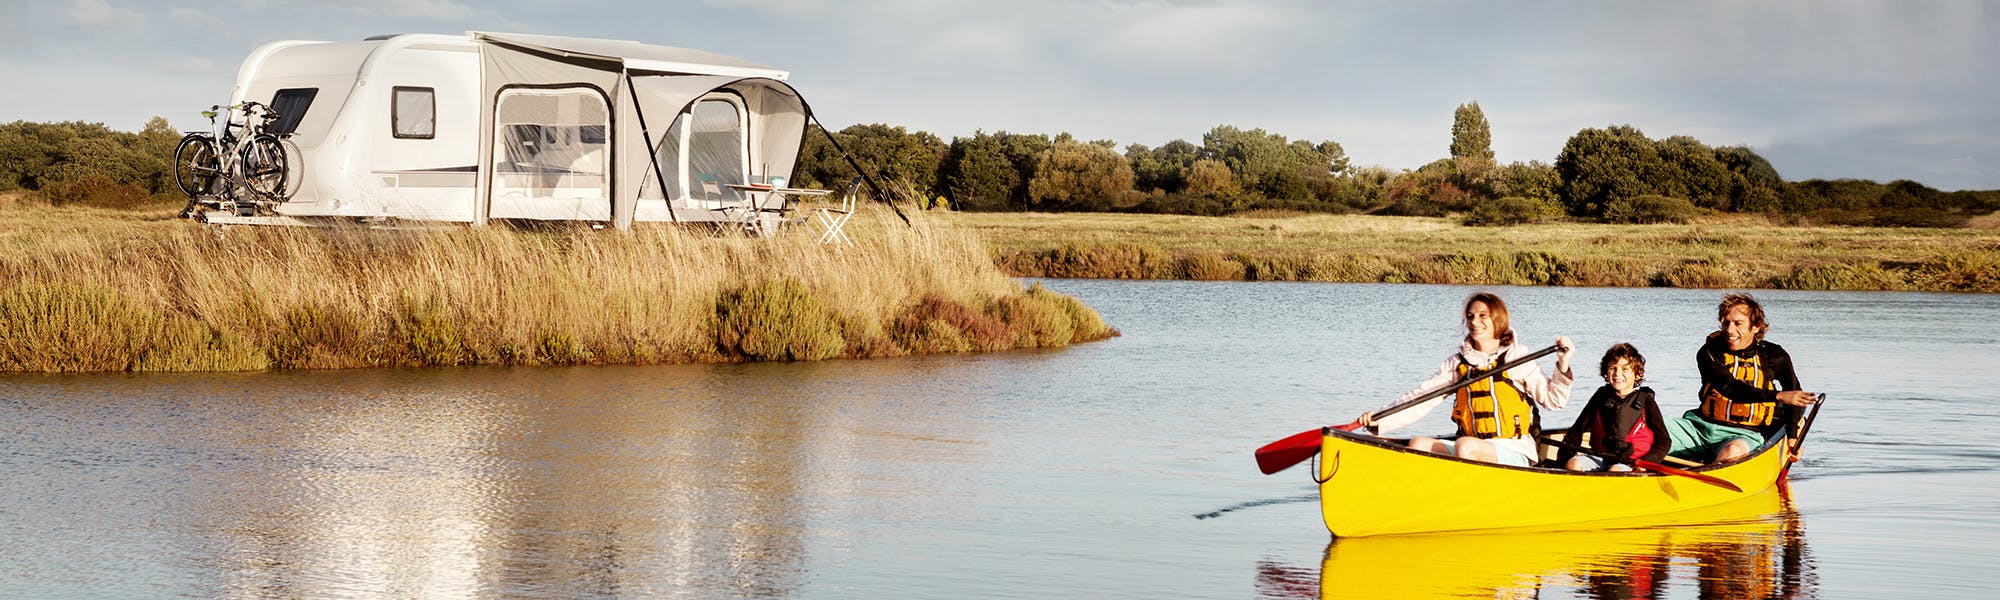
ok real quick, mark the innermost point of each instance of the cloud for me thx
(100, 14)
(774, 7)
(193, 17)
(421, 10)
(1166, 37)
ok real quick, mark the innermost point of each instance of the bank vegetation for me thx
(1719, 252)
(93, 289)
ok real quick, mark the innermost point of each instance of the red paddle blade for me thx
(1708, 479)
(1282, 454)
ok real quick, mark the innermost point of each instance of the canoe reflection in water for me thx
(1752, 548)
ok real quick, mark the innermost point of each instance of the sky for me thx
(1881, 90)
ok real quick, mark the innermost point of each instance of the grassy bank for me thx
(103, 290)
(1739, 252)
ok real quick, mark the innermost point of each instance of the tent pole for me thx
(652, 154)
(857, 165)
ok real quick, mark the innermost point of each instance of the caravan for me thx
(483, 126)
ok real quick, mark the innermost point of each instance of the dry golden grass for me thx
(158, 293)
(1731, 251)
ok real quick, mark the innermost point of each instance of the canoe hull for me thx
(1371, 486)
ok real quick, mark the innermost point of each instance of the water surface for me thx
(1119, 469)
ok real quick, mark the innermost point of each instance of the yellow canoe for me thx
(1748, 548)
(1373, 486)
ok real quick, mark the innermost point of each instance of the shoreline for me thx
(1735, 253)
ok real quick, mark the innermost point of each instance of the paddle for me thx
(1649, 465)
(1282, 454)
(1800, 439)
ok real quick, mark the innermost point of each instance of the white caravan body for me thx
(480, 126)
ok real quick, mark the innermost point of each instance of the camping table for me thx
(761, 205)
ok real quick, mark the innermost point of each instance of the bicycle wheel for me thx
(196, 165)
(265, 168)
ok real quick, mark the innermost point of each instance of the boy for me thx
(1621, 418)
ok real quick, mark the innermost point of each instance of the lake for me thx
(1118, 469)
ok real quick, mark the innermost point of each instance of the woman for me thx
(1496, 416)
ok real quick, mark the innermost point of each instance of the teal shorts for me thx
(1698, 439)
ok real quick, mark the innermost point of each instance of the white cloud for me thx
(100, 14)
(422, 10)
(775, 7)
(193, 17)
(1178, 38)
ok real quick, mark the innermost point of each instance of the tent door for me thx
(551, 154)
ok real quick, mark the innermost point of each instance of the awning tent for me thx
(607, 130)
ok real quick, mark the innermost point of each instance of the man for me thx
(1748, 389)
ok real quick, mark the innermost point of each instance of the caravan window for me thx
(550, 143)
(413, 113)
(291, 105)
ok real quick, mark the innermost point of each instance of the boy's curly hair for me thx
(1624, 351)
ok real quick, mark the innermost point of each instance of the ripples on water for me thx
(1117, 469)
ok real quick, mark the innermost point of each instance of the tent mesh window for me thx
(716, 145)
(551, 144)
(668, 159)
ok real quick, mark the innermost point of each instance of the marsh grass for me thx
(1731, 251)
(106, 290)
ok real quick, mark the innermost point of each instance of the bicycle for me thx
(211, 167)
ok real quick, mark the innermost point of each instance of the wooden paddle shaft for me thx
(1469, 379)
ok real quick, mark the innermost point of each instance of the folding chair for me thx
(832, 219)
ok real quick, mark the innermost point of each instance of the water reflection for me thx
(1753, 548)
(448, 490)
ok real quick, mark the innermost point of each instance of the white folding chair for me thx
(832, 219)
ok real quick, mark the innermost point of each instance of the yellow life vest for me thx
(1492, 407)
(1718, 407)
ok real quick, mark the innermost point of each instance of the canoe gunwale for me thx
(1402, 445)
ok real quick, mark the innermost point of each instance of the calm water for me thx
(1119, 469)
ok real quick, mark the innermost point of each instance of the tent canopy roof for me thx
(635, 56)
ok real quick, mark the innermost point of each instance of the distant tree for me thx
(1471, 137)
(1255, 156)
(1532, 179)
(1210, 178)
(892, 151)
(1755, 182)
(1161, 168)
(990, 171)
(1071, 175)
(1597, 166)
(1688, 169)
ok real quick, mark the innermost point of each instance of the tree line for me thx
(88, 163)
(1614, 174)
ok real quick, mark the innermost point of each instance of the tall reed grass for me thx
(171, 296)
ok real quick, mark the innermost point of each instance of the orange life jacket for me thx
(1492, 407)
(1719, 408)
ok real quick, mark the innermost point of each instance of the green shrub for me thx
(939, 324)
(1512, 210)
(319, 336)
(429, 335)
(778, 319)
(1650, 209)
